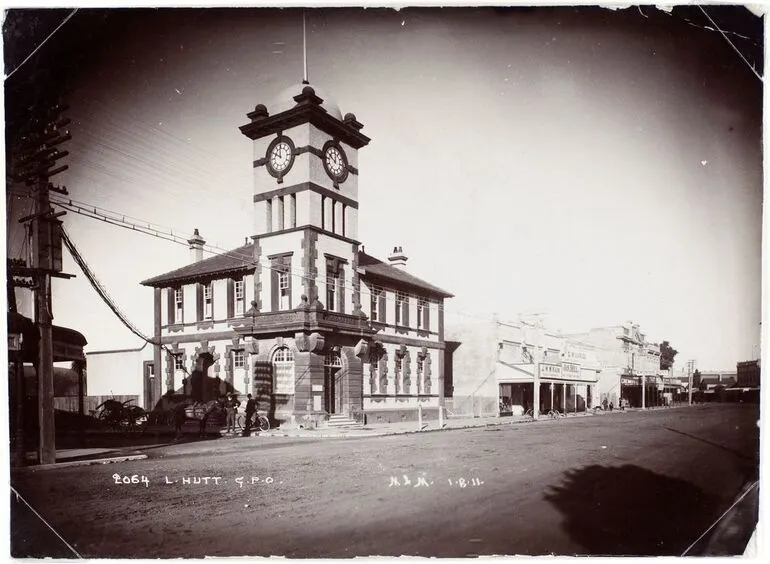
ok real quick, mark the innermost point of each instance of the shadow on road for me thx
(631, 511)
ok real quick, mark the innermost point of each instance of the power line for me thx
(102, 292)
(248, 261)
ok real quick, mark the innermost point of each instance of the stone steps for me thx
(341, 420)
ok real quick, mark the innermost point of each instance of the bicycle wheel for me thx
(240, 421)
(263, 422)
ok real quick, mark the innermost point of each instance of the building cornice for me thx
(300, 114)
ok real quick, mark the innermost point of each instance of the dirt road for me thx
(627, 483)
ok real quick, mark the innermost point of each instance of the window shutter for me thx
(274, 287)
(381, 310)
(341, 292)
(171, 306)
(405, 315)
(230, 298)
(426, 316)
(199, 292)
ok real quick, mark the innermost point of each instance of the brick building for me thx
(748, 374)
(300, 316)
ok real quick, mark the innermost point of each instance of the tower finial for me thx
(304, 50)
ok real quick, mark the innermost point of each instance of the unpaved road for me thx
(625, 483)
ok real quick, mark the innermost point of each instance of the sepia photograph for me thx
(334, 282)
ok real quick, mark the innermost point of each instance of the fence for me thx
(472, 406)
(90, 403)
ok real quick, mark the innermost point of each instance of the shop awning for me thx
(525, 373)
(67, 343)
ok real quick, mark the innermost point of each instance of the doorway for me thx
(333, 383)
(149, 385)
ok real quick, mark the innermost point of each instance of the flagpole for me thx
(304, 50)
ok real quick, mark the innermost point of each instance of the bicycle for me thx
(556, 414)
(259, 421)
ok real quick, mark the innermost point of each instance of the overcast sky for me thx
(596, 166)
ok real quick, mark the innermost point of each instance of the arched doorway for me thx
(333, 382)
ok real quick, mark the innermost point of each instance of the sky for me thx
(593, 166)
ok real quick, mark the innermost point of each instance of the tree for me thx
(697, 382)
(667, 354)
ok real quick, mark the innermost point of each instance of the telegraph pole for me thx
(644, 382)
(690, 364)
(38, 154)
(538, 326)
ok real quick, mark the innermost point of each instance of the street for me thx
(634, 483)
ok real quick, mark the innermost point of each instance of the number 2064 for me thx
(135, 479)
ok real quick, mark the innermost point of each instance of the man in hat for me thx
(231, 406)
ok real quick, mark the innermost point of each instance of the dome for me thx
(285, 101)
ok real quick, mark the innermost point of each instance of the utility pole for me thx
(644, 383)
(538, 326)
(38, 154)
(690, 364)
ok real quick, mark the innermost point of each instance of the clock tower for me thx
(306, 282)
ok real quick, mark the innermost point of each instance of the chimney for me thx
(397, 258)
(196, 247)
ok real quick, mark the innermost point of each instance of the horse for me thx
(200, 411)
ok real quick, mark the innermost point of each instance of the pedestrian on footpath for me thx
(179, 419)
(251, 408)
(232, 408)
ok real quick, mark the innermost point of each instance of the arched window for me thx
(283, 371)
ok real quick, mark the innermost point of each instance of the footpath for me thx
(107, 455)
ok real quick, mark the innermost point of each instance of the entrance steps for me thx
(342, 420)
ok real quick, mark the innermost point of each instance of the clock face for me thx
(336, 163)
(280, 156)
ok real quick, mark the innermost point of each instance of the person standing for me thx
(251, 409)
(232, 408)
(179, 418)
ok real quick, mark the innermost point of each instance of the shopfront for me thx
(566, 391)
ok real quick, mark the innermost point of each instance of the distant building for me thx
(748, 374)
(710, 379)
(494, 370)
(124, 372)
(626, 359)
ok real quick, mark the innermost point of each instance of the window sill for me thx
(206, 324)
(176, 328)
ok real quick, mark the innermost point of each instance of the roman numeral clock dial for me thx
(280, 157)
(335, 162)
